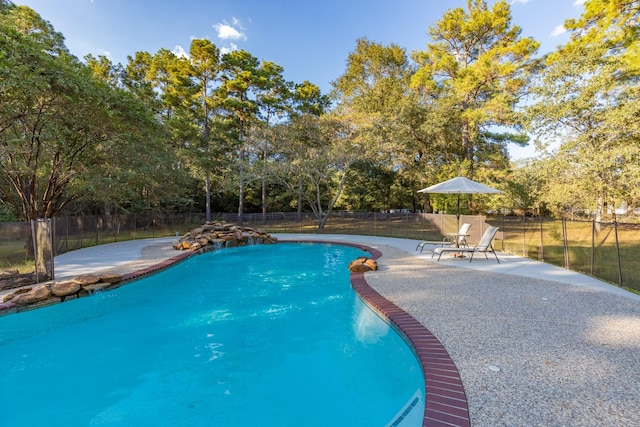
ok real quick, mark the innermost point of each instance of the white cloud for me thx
(237, 23)
(180, 52)
(231, 48)
(579, 2)
(559, 30)
(231, 31)
(519, 1)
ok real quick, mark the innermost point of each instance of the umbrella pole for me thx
(458, 254)
(458, 215)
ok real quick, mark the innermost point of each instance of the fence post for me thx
(524, 235)
(593, 243)
(541, 240)
(503, 229)
(406, 224)
(615, 228)
(97, 231)
(66, 240)
(423, 216)
(565, 243)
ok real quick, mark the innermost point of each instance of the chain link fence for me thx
(18, 248)
(604, 250)
(26, 247)
(16, 245)
(71, 233)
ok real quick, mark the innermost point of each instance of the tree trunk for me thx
(599, 211)
(323, 221)
(264, 201)
(613, 210)
(207, 189)
(241, 195)
(299, 214)
(427, 206)
(466, 141)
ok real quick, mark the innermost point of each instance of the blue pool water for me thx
(268, 335)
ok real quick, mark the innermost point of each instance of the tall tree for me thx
(375, 85)
(273, 97)
(301, 131)
(170, 74)
(205, 63)
(51, 116)
(138, 171)
(476, 68)
(237, 93)
(586, 98)
(329, 163)
(137, 78)
(68, 131)
(104, 70)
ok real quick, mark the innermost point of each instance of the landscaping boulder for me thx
(220, 234)
(62, 289)
(371, 263)
(362, 264)
(86, 280)
(39, 293)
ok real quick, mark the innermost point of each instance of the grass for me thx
(13, 256)
(24, 266)
(400, 226)
(589, 251)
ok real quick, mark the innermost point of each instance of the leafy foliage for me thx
(586, 98)
(168, 131)
(477, 66)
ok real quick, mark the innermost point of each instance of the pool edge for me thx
(445, 398)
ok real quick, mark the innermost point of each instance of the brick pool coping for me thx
(156, 267)
(445, 399)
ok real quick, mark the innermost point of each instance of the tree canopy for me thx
(227, 132)
(586, 98)
(478, 66)
(64, 130)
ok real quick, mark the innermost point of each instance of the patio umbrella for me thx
(460, 185)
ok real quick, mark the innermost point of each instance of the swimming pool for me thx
(260, 335)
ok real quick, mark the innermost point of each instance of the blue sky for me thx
(310, 39)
